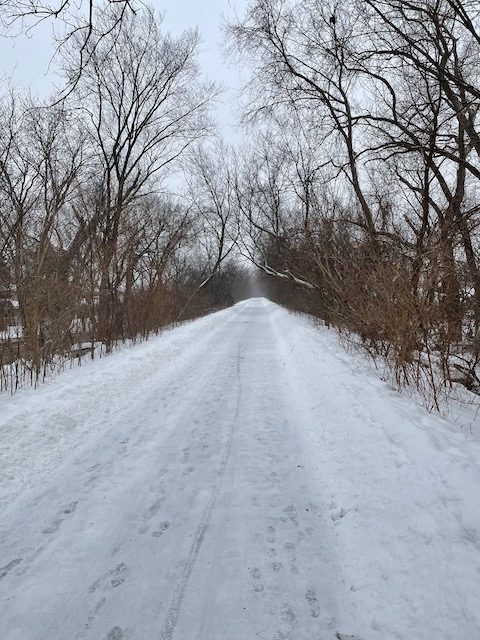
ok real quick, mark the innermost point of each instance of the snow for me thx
(238, 476)
(12, 332)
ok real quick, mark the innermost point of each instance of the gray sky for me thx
(27, 57)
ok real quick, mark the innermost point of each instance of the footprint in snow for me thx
(338, 514)
(292, 556)
(115, 634)
(70, 508)
(271, 534)
(290, 514)
(152, 511)
(256, 575)
(311, 598)
(188, 471)
(161, 529)
(116, 577)
(288, 614)
(53, 527)
(8, 567)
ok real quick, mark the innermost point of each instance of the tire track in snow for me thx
(170, 621)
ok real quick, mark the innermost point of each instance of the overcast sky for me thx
(27, 58)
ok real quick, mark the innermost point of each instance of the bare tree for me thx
(42, 156)
(210, 178)
(300, 63)
(144, 106)
(81, 21)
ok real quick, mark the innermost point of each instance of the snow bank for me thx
(402, 487)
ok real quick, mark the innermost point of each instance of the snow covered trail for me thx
(191, 515)
(237, 477)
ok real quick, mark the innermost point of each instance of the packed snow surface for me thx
(237, 477)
